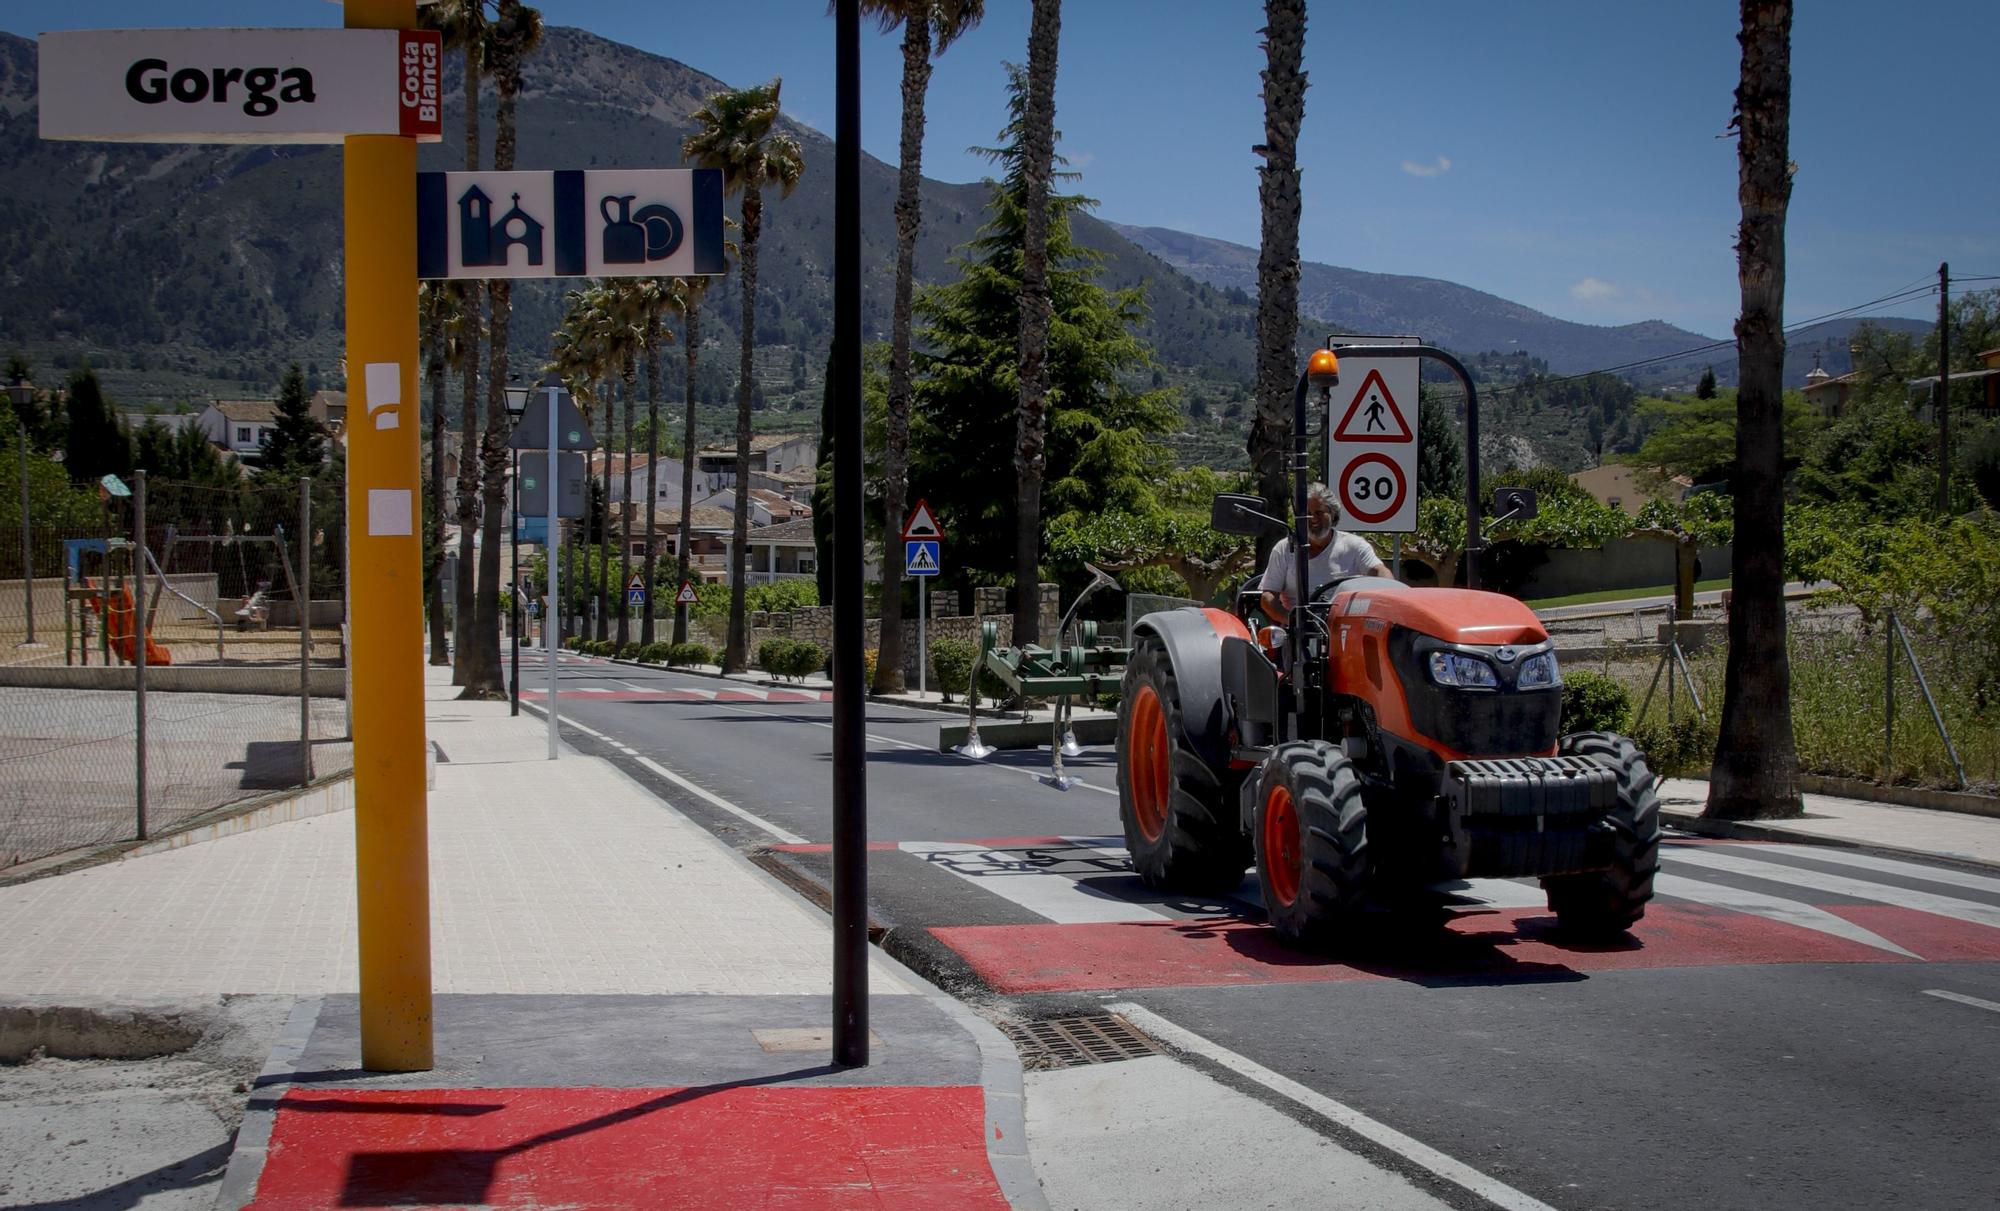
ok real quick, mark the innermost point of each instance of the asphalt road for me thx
(1770, 1036)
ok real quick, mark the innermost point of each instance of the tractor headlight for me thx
(1467, 672)
(1538, 671)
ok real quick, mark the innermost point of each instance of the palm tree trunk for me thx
(895, 458)
(484, 677)
(630, 374)
(1038, 147)
(1755, 773)
(736, 655)
(604, 547)
(692, 342)
(1278, 256)
(463, 578)
(434, 575)
(652, 474)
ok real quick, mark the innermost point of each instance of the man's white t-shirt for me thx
(1346, 555)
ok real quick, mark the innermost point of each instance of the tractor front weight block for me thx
(1527, 816)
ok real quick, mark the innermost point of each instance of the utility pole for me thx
(1944, 388)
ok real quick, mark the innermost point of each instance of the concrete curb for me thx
(999, 1063)
(1962, 802)
(1750, 830)
(260, 1115)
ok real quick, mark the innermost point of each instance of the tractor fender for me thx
(1193, 638)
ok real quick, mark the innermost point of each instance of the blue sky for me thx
(1562, 154)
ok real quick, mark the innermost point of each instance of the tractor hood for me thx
(1452, 615)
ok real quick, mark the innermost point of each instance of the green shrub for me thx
(654, 653)
(1593, 702)
(1684, 748)
(685, 654)
(803, 660)
(869, 659)
(951, 664)
(629, 650)
(772, 654)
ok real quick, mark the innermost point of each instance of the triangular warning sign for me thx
(923, 557)
(638, 583)
(922, 523)
(686, 595)
(1373, 416)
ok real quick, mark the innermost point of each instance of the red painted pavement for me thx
(1520, 943)
(1938, 939)
(721, 1147)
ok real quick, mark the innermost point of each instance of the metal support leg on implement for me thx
(392, 859)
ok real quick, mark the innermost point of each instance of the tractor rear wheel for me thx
(1180, 822)
(1312, 843)
(1603, 904)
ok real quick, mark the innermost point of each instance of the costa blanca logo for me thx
(419, 95)
(261, 90)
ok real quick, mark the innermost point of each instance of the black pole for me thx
(1944, 389)
(1296, 623)
(1472, 539)
(850, 770)
(514, 613)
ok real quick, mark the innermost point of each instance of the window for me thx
(243, 435)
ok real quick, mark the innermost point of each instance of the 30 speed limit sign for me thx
(1372, 456)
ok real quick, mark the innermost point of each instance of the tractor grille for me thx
(1094, 1038)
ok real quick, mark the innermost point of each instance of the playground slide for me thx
(118, 629)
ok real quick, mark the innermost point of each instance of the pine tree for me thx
(1101, 453)
(97, 443)
(1705, 389)
(1440, 459)
(297, 444)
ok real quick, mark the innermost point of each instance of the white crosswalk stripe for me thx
(1887, 866)
(1710, 858)
(1776, 908)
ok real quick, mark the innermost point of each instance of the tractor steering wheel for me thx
(1324, 593)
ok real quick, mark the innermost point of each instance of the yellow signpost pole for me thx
(385, 590)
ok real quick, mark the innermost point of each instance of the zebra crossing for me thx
(1716, 903)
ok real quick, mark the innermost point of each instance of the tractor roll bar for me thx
(1302, 468)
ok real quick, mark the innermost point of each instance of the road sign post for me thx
(385, 588)
(1372, 443)
(923, 543)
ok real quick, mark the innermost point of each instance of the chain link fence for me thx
(165, 654)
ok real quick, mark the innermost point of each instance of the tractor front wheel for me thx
(1312, 843)
(1600, 905)
(1180, 825)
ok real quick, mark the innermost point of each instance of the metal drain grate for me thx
(1093, 1038)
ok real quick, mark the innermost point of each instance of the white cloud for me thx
(1437, 167)
(1594, 290)
(1079, 160)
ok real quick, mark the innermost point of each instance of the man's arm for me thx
(1269, 600)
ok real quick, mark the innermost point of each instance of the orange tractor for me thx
(1387, 739)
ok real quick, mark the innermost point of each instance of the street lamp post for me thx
(22, 393)
(517, 403)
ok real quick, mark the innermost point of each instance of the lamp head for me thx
(1323, 371)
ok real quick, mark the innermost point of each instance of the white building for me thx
(240, 426)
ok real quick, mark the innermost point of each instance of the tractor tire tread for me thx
(1604, 904)
(1201, 848)
(1336, 865)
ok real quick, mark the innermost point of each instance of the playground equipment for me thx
(111, 599)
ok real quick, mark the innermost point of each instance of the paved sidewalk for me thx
(1833, 820)
(613, 982)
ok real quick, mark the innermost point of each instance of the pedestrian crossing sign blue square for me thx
(920, 557)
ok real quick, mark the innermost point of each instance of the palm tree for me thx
(516, 32)
(733, 133)
(442, 319)
(654, 299)
(929, 27)
(1038, 139)
(1755, 773)
(693, 289)
(580, 359)
(1278, 252)
(464, 26)
(624, 340)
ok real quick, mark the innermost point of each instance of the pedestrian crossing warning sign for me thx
(1373, 416)
(920, 557)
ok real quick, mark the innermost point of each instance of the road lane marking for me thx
(1860, 889)
(784, 835)
(1961, 998)
(1777, 908)
(1422, 1155)
(1493, 893)
(1887, 866)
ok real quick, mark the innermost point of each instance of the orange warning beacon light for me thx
(1323, 371)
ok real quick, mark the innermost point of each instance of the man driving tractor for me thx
(1329, 553)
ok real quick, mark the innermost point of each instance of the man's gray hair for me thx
(1324, 495)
